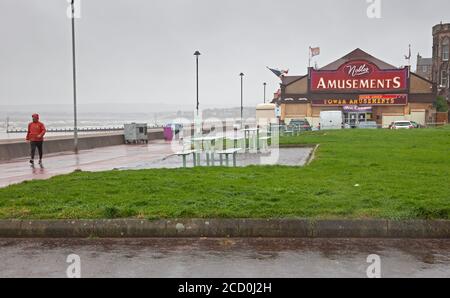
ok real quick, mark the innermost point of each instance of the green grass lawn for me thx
(356, 174)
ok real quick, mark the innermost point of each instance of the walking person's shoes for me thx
(31, 162)
(40, 163)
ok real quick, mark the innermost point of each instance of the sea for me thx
(19, 122)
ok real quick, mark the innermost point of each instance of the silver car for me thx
(401, 125)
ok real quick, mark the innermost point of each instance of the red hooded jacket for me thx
(36, 131)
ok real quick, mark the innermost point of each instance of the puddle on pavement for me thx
(281, 156)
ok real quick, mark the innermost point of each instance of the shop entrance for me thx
(351, 119)
(354, 115)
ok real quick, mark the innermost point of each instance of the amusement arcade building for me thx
(363, 87)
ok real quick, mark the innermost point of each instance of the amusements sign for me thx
(357, 76)
(365, 100)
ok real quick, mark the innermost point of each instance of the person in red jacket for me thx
(35, 135)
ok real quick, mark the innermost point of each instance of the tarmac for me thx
(225, 258)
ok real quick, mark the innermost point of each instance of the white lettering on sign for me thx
(394, 83)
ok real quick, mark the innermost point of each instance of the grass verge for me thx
(356, 174)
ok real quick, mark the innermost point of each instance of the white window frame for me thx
(444, 78)
(445, 49)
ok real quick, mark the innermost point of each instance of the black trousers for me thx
(37, 145)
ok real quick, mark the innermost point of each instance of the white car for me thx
(401, 125)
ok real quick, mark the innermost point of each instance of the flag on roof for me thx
(279, 73)
(315, 51)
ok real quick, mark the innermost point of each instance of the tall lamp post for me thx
(196, 54)
(264, 84)
(74, 74)
(242, 97)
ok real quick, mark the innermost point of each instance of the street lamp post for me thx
(265, 84)
(74, 74)
(242, 96)
(196, 54)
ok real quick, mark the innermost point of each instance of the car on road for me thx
(401, 125)
(301, 124)
(417, 125)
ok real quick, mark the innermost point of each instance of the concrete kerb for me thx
(312, 153)
(270, 228)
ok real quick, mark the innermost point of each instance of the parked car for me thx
(417, 125)
(401, 125)
(302, 125)
(367, 125)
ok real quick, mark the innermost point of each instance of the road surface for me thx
(205, 258)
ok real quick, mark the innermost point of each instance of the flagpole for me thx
(409, 59)
(309, 58)
(74, 79)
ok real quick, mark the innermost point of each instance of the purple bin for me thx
(168, 133)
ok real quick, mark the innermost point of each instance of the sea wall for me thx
(16, 149)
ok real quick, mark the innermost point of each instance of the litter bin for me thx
(168, 133)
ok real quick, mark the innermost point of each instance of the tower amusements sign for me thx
(363, 100)
(359, 76)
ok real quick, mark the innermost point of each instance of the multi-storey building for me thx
(441, 55)
(424, 67)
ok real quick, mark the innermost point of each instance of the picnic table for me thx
(252, 136)
(185, 153)
(227, 153)
(210, 142)
(236, 139)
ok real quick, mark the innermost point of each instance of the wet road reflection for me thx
(224, 257)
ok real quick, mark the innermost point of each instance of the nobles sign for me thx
(356, 76)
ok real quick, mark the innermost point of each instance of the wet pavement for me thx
(281, 156)
(98, 159)
(157, 154)
(208, 258)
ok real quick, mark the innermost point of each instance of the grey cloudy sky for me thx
(142, 50)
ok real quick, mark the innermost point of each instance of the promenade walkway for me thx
(99, 159)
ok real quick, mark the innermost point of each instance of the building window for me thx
(445, 49)
(444, 79)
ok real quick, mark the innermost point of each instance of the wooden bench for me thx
(228, 152)
(185, 153)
